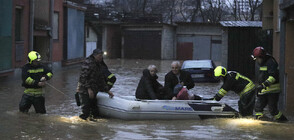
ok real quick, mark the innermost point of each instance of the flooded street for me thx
(61, 121)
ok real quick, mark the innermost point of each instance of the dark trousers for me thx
(89, 106)
(246, 104)
(27, 101)
(270, 99)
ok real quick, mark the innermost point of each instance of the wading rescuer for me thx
(34, 77)
(268, 90)
(92, 81)
(241, 85)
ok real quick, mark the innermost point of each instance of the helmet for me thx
(33, 55)
(259, 52)
(220, 71)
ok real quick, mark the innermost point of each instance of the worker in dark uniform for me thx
(34, 77)
(268, 90)
(90, 83)
(108, 76)
(177, 77)
(241, 85)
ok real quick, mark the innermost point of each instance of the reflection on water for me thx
(62, 122)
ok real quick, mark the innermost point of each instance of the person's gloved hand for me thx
(110, 94)
(43, 79)
(41, 84)
(259, 88)
(217, 98)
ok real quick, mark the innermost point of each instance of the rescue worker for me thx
(149, 87)
(268, 90)
(241, 85)
(108, 76)
(92, 81)
(34, 77)
(177, 77)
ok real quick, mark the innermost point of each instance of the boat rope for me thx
(54, 88)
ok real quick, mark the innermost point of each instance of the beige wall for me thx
(289, 66)
(267, 14)
(289, 48)
(276, 31)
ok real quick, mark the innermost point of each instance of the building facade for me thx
(74, 33)
(199, 41)
(278, 16)
(30, 25)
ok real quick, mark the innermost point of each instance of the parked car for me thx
(201, 70)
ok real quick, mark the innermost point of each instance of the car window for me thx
(197, 64)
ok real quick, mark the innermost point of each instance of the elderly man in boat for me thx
(149, 88)
(178, 82)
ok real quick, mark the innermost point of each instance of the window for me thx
(18, 24)
(55, 25)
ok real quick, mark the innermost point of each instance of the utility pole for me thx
(31, 30)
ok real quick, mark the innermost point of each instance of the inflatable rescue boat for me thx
(130, 108)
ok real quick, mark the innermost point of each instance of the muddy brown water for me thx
(61, 121)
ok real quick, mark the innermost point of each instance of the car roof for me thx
(198, 60)
(189, 62)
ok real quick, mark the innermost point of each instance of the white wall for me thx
(168, 42)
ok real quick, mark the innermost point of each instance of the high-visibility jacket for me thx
(236, 82)
(31, 76)
(268, 76)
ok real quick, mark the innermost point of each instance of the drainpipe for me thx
(283, 74)
(51, 14)
(31, 27)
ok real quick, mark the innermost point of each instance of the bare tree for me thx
(245, 9)
(213, 10)
(168, 11)
(189, 9)
(254, 5)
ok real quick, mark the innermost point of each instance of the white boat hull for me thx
(128, 108)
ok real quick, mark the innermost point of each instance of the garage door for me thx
(184, 50)
(142, 44)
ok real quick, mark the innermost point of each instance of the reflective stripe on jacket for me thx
(268, 76)
(31, 76)
(236, 82)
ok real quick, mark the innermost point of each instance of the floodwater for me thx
(61, 121)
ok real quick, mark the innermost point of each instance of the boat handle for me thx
(136, 107)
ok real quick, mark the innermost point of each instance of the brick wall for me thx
(25, 6)
(57, 48)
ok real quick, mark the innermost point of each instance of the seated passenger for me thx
(148, 87)
(177, 78)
